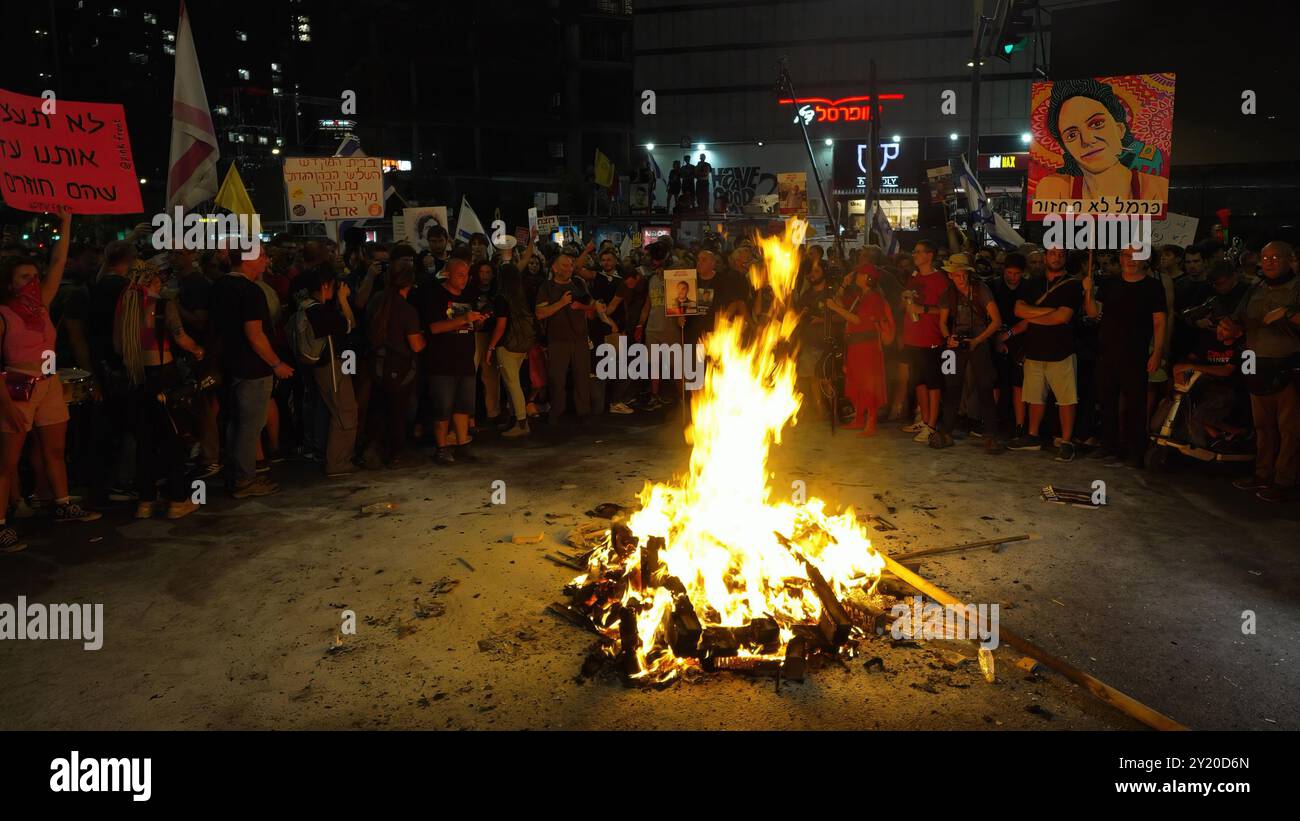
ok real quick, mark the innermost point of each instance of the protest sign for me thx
(793, 192)
(680, 292)
(66, 154)
(547, 227)
(334, 188)
(1177, 229)
(940, 183)
(418, 222)
(532, 221)
(1101, 146)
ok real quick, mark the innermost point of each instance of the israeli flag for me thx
(981, 210)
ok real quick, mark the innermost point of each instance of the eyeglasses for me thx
(1272, 258)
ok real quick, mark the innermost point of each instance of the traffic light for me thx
(1012, 27)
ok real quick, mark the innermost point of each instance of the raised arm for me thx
(54, 276)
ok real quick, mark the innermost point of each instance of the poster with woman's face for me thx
(1101, 146)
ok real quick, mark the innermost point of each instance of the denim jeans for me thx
(249, 417)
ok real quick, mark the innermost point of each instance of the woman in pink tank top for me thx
(32, 396)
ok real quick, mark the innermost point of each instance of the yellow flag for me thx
(604, 170)
(233, 196)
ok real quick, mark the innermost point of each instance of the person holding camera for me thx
(147, 330)
(320, 330)
(968, 318)
(565, 305)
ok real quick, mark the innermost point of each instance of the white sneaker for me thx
(917, 424)
(923, 433)
(619, 407)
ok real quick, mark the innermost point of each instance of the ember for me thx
(712, 572)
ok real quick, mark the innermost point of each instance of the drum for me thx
(76, 385)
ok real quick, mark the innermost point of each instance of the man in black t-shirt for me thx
(1221, 394)
(451, 321)
(1133, 315)
(242, 323)
(1009, 351)
(1050, 360)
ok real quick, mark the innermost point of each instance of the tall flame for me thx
(720, 521)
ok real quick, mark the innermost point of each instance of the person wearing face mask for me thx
(30, 399)
(147, 332)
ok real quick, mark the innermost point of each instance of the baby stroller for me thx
(1174, 430)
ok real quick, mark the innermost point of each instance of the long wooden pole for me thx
(935, 551)
(1100, 690)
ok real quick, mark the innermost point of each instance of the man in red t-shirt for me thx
(925, 292)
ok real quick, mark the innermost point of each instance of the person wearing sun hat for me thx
(968, 317)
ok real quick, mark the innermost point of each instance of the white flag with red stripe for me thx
(192, 170)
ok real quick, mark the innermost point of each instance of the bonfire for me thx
(717, 570)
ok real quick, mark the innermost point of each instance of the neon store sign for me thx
(809, 110)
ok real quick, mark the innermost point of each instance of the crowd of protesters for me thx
(216, 365)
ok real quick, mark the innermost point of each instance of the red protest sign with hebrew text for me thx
(63, 153)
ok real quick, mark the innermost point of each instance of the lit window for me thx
(276, 90)
(304, 28)
(171, 50)
(241, 36)
(151, 19)
(169, 36)
(115, 13)
(302, 18)
(263, 140)
(221, 109)
(243, 74)
(275, 66)
(304, 38)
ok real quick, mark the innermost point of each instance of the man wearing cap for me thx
(1050, 353)
(968, 318)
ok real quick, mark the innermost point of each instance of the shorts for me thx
(810, 356)
(924, 365)
(452, 394)
(1060, 376)
(45, 408)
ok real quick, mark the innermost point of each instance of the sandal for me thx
(9, 541)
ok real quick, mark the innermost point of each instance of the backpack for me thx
(302, 340)
(521, 333)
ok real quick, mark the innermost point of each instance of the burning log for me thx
(629, 641)
(758, 665)
(682, 627)
(650, 560)
(834, 620)
(622, 540)
(795, 665)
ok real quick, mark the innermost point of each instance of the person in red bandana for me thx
(32, 396)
